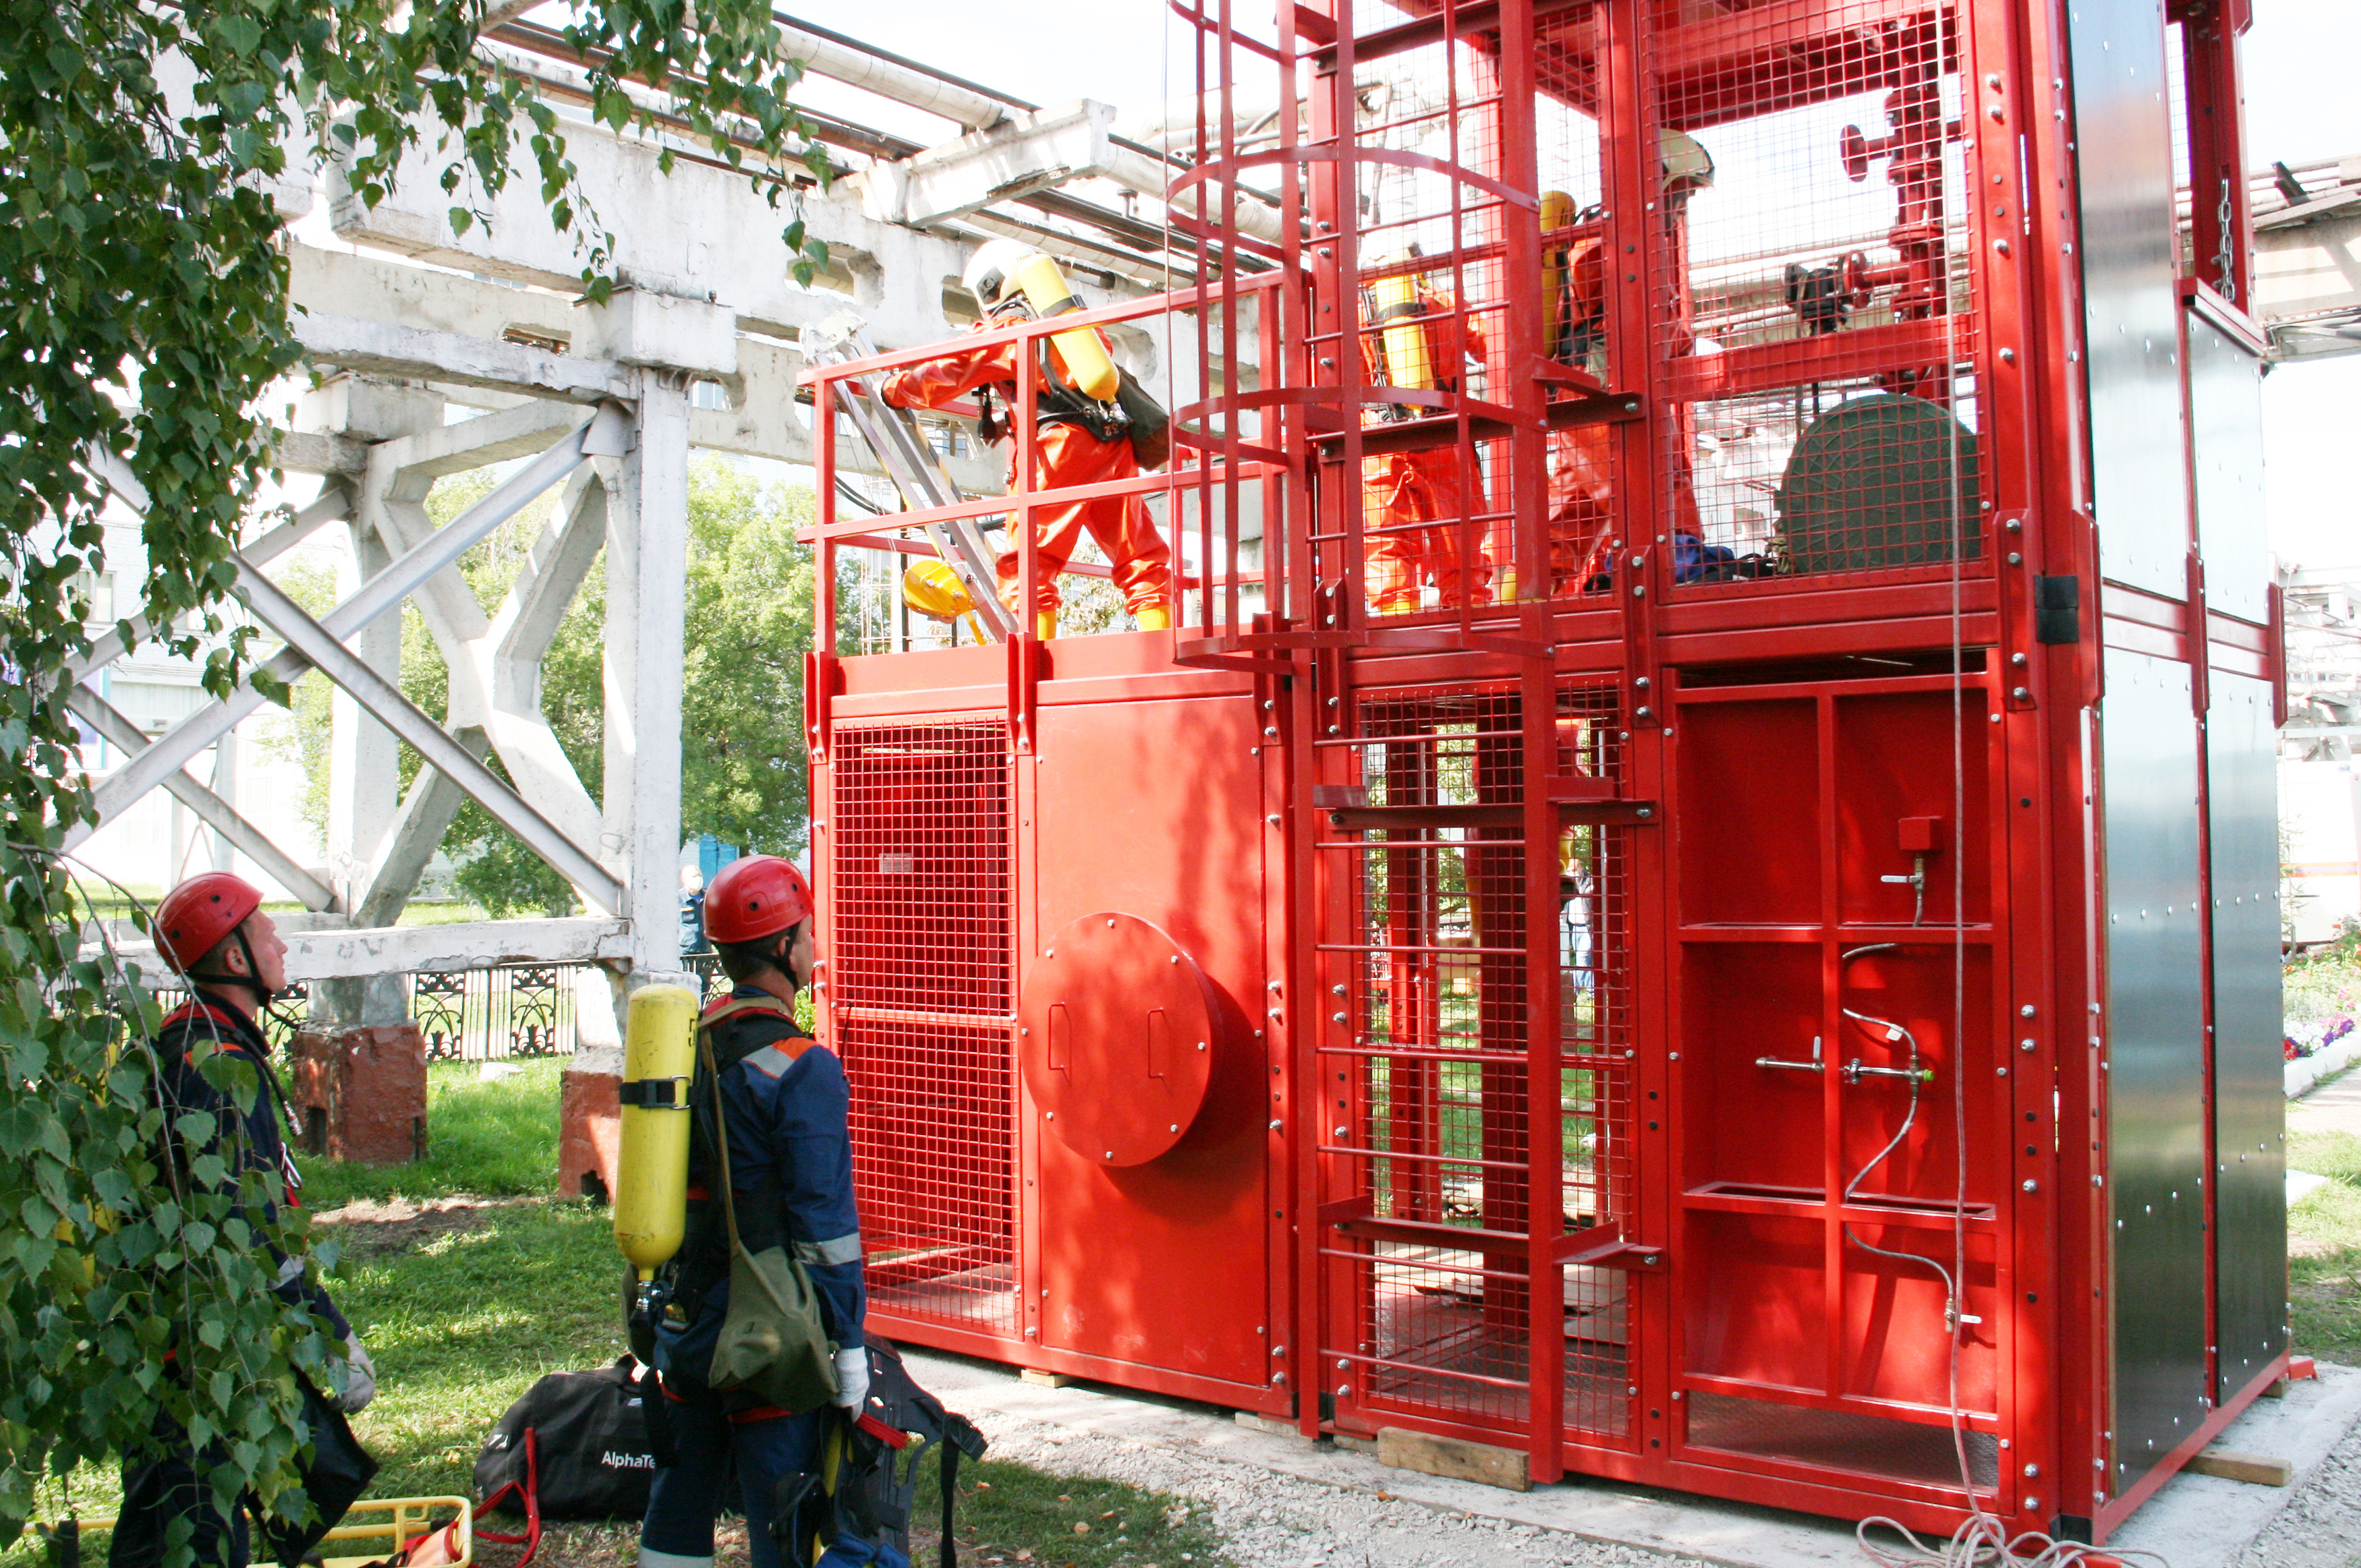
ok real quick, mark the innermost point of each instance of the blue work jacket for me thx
(785, 1100)
(208, 1020)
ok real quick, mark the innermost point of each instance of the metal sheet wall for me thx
(2249, 1102)
(2225, 413)
(2156, 1059)
(2122, 149)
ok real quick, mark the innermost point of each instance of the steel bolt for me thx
(2031, 1185)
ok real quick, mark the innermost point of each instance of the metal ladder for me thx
(911, 463)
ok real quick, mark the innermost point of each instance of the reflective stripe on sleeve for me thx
(771, 1059)
(845, 1248)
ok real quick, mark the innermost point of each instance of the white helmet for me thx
(989, 269)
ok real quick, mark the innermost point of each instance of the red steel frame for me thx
(1293, 656)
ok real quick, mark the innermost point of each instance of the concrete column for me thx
(363, 795)
(639, 838)
(364, 758)
(647, 586)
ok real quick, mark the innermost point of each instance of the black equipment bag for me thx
(869, 1470)
(335, 1473)
(579, 1445)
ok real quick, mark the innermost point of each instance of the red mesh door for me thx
(919, 975)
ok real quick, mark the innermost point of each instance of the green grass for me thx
(2324, 1239)
(463, 1313)
(491, 1140)
(464, 1323)
(1010, 1513)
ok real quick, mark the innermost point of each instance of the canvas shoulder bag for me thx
(772, 1343)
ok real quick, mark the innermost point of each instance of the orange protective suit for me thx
(1413, 511)
(1064, 453)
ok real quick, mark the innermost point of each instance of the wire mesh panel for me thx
(932, 1156)
(1813, 303)
(1430, 305)
(1434, 1140)
(918, 970)
(921, 914)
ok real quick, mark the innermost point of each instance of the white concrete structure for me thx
(437, 353)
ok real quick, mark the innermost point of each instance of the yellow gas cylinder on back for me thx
(1048, 292)
(652, 1157)
(1557, 212)
(1394, 309)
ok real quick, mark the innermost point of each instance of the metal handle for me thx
(1815, 1064)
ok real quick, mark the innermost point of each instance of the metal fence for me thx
(491, 1013)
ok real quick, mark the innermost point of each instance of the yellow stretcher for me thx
(405, 1521)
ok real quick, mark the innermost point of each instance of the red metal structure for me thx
(1694, 894)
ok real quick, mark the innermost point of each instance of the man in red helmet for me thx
(212, 930)
(784, 1100)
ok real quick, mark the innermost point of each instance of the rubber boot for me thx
(1153, 618)
(1045, 624)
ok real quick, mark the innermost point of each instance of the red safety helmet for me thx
(196, 916)
(756, 897)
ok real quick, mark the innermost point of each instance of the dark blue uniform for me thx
(784, 1100)
(165, 1485)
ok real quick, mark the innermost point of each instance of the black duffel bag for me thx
(579, 1445)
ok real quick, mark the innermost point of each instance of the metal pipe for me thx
(857, 65)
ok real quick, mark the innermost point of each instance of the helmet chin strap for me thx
(251, 981)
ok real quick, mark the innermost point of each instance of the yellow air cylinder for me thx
(1046, 290)
(652, 1158)
(1394, 301)
(1557, 212)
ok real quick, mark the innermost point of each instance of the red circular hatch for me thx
(1117, 1038)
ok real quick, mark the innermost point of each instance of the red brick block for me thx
(590, 1129)
(360, 1094)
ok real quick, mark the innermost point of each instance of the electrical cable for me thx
(1982, 1540)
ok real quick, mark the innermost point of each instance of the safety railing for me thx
(1219, 491)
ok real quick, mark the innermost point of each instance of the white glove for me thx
(360, 1377)
(852, 1376)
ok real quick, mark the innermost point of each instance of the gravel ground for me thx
(1279, 1521)
(2321, 1527)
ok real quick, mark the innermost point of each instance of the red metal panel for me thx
(1158, 1263)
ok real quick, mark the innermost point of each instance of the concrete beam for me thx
(2306, 270)
(1016, 158)
(859, 68)
(306, 452)
(698, 233)
(355, 344)
(762, 419)
(407, 949)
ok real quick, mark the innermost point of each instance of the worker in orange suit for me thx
(1581, 493)
(1080, 435)
(1413, 505)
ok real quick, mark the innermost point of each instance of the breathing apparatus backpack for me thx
(868, 1472)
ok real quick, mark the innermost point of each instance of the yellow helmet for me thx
(931, 587)
(1557, 210)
